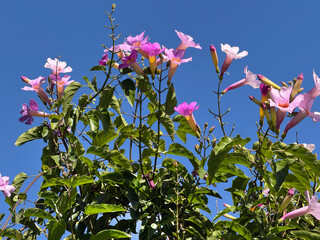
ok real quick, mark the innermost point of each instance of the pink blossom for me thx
(57, 66)
(250, 79)
(175, 58)
(5, 187)
(186, 41)
(309, 146)
(61, 82)
(104, 60)
(313, 208)
(187, 111)
(315, 91)
(281, 100)
(36, 86)
(131, 61)
(232, 53)
(29, 112)
(152, 50)
(305, 110)
(137, 41)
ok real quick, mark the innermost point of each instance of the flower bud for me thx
(214, 57)
(286, 200)
(268, 82)
(211, 129)
(296, 87)
(113, 6)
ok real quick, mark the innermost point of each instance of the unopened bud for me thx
(205, 125)
(196, 148)
(229, 216)
(256, 101)
(211, 129)
(290, 83)
(296, 87)
(214, 57)
(268, 82)
(113, 6)
(284, 84)
(300, 90)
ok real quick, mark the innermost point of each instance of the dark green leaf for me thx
(19, 180)
(37, 212)
(178, 149)
(56, 229)
(69, 92)
(171, 101)
(129, 90)
(105, 97)
(81, 180)
(167, 123)
(98, 68)
(90, 85)
(30, 135)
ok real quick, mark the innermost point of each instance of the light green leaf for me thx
(110, 234)
(69, 92)
(178, 149)
(37, 212)
(103, 208)
(30, 135)
(56, 229)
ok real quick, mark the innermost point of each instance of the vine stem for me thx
(219, 109)
(27, 189)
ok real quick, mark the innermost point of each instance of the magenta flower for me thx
(175, 58)
(36, 86)
(313, 208)
(186, 41)
(315, 91)
(131, 61)
(305, 110)
(104, 60)
(232, 53)
(286, 200)
(187, 111)
(5, 187)
(281, 100)
(137, 41)
(250, 79)
(152, 50)
(29, 112)
(57, 66)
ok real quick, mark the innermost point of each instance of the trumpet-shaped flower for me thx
(152, 50)
(175, 58)
(313, 208)
(35, 85)
(61, 82)
(137, 41)
(250, 79)
(186, 41)
(5, 187)
(131, 61)
(57, 66)
(187, 111)
(104, 60)
(281, 100)
(305, 110)
(232, 53)
(315, 91)
(29, 112)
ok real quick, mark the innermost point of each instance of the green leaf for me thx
(178, 149)
(171, 101)
(183, 128)
(220, 151)
(37, 212)
(105, 97)
(11, 233)
(83, 100)
(103, 208)
(129, 89)
(19, 180)
(98, 68)
(57, 182)
(56, 229)
(105, 120)
(66, 200)
(69, 92)
(238, 228)
(292, 181)
(101, 138)
(110, 234)
(306, 234)
(90, 85)
(168, 125)
(77, 181)
(30, 135)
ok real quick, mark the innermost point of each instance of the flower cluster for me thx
(128, 54)
(54, 80)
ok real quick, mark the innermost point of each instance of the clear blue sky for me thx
(282, 38)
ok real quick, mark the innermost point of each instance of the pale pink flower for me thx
(315, 91)
(137, 41)
(36, 86)
(187, 111)
(313, 208)
(250, 79)
(175, 58)
(309, 146)
(61, 83)
(186, 41)
(305, 110)
(232, 53)
(5, 187)
(57, 66)
(281, 100)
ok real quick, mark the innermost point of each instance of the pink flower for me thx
(232, 53)
(152, 50)
(305, 110)
(137, 41)
(186, 41)
(61, 82)
(281, 100)
(313, 208)
(309, 146)
(5, 187)
(286, 200)
(29, 112)
(57, 66)
(104, 60)
(315, 91)
(251, 79)
(187, 111)
(131, 61)
(36, 86)
(175, 58)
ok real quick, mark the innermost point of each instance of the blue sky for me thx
(282, 39)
